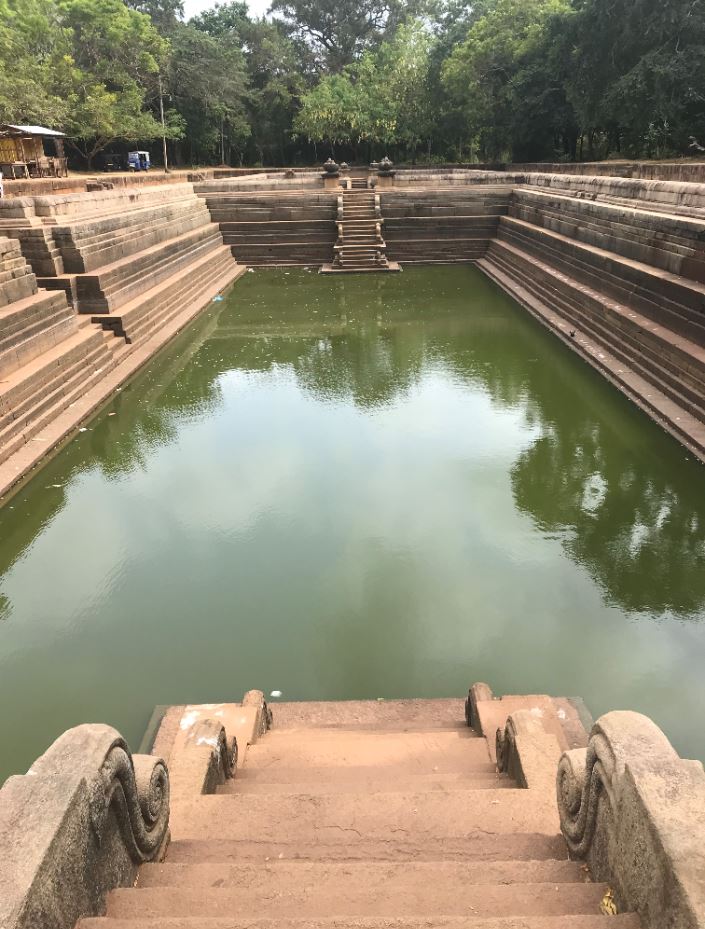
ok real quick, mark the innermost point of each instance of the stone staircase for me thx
(369, 815)
(117, 253)
(91, 285)
(624, 285)
(360, 246)
(48, 359)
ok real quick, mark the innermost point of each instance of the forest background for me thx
(424, 81)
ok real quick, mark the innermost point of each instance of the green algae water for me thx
(370, 486)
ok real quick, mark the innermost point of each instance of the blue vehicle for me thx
(138, 161)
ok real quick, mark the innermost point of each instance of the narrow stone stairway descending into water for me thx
(387, 815)
(360, 245)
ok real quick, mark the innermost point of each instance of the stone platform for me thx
(332, 269)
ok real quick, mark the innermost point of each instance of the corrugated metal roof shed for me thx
(30, 130)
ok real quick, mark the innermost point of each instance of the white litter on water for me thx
(276, 693)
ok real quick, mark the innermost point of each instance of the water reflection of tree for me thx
(637, 529)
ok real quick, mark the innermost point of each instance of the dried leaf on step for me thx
(608, 907)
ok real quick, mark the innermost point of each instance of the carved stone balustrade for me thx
(78, 824)
(635, 812)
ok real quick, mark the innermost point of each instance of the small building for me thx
(31, 151)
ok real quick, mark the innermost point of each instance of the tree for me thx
(481, 72)
(165, 14)
(381, 99)
(638, 77)
(340, 31)
(276, 67)
(208, 84)
(32, 47)
(116, 54)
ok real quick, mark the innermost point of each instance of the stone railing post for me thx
(331, 175)
(635, 812)
(385, 173)
(78, 824)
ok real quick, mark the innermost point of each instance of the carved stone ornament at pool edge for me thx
(78, 824)
(635, 812)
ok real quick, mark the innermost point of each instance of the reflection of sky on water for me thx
(393, 502)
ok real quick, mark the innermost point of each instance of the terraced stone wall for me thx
(275, 222)
(423, 225)
(616, 268)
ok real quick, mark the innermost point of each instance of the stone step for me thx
(372, 782)
(134, 224)
(372, 716)
(111, 286)
(31, 326)
(55, 398)
(480, 900)
(664, 297)
(649, 336)
(19, 388)
(625, 921)
(675, 365)
(80, 256)
(371, 266)
(437, 249)
(140, 316)
(671, 244)
(676, 384)
(472, 847)
(670, 415)
(17, 350)
(172, 305)
(350, 818)
(284, 253)
(362, 882)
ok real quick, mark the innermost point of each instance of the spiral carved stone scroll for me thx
(137, 789)
(78, 824)
(584, 775)
(635, 812)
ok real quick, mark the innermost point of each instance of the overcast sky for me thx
(192, 7)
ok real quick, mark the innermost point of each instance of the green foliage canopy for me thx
(519, 80)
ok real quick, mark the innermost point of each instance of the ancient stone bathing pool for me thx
(371, 487)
